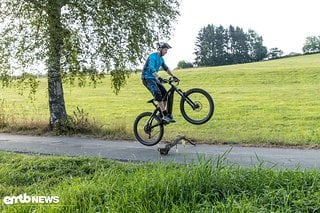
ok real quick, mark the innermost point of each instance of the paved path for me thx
(134, 151)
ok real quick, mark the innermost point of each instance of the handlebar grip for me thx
(174, 79)
(170, 80)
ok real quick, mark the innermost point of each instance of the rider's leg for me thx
(165, 106)
(160, 97)
(162, 107)
(165, 102)
(169, 107)
(164, 113)
(157, 90)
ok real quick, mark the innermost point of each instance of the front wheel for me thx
(197, 106)
(148, 129)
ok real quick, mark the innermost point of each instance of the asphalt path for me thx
(133, 151)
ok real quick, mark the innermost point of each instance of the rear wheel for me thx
(197, 106)
(148, 129)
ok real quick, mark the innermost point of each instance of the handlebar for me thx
(170, 80)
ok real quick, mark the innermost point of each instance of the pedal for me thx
(164, 122)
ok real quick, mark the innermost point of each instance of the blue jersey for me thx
(153, 64)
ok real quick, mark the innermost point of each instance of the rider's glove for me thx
(175, 79)
(160, 80)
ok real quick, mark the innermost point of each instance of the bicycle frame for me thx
(169, 93)
(149, 126)
(173, 89)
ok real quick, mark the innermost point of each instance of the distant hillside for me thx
(269, 102)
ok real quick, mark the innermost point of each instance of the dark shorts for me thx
(157, 90)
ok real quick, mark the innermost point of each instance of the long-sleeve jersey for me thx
(153, 64)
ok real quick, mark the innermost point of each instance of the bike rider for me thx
(152, 81)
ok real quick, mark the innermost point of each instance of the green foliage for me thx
(219, 46)
(5, 79)
(89, 76)
(118, 79)
(274, 102)
(26, 81)
(184, 65)
(72, 37)
(3, 114)
(312, 44)
(275, 53)
(79, 122)
(96, 185)
(103, 35)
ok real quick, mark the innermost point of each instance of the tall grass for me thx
(96, 185)
(272, 102)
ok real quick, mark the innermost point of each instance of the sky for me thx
(284, 24)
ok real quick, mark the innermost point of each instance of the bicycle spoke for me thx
(197, 107)
(202, 107)
(155, 134)
(148, 131)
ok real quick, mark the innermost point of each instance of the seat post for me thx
(153, 102)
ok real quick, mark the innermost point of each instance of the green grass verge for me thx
(96, 185)
(273, 102)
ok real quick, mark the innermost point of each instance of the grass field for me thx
(96, 185)
(274, 102)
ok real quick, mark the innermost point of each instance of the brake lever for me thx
(174, 80)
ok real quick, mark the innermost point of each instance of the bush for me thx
(184, 65)
(78, 123)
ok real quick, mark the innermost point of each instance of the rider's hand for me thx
(175, 79)
(160, 80)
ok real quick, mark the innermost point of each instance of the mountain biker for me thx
(153, 82)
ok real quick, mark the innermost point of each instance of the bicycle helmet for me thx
(163, 45)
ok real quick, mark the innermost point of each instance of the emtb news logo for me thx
(24, 198)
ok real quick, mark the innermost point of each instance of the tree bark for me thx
(55, 90)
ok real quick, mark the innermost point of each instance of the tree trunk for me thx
(55, 90)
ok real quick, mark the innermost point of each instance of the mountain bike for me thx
(196, 106)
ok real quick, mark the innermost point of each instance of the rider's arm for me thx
(167, 69)
(155, 74)
(170, 73)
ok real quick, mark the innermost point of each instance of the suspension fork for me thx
(193, 105)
